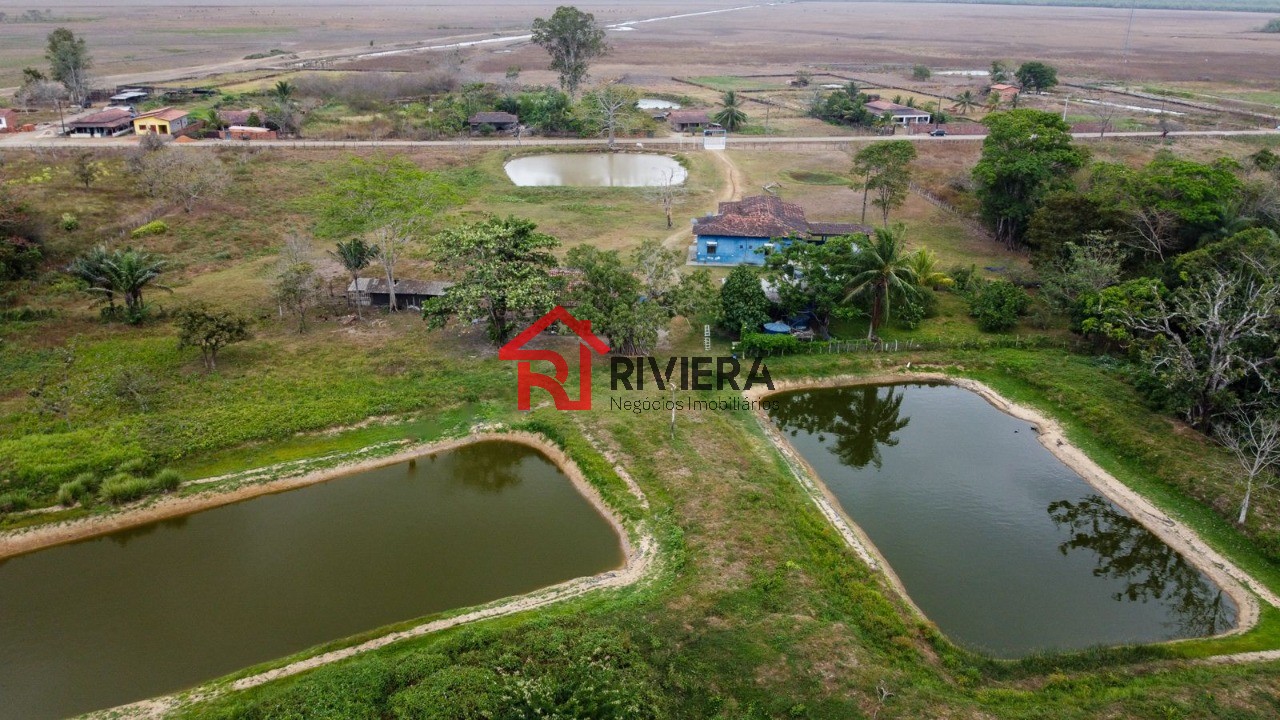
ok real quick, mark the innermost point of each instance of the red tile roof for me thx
(238, 117)
(767, 216)
(110, 117)
(492, 118)
(689, 117)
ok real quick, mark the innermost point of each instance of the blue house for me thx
(746, 231)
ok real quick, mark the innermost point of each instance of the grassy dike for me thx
(759, 610)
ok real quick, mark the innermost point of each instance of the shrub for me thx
(921, 72)
(764, 344)
(458, 692)
(997, 305)
(73, 491)
(155, 227)
(14, 501)
(166, 480)
(134, 466)
(69, 222)
(1272, 26)
(122, 488)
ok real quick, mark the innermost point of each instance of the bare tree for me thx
(190, 179)
(1206, 336)
(613, 107)
(1153, 229)
(1254, 438)
(667, 192)
(296, 286)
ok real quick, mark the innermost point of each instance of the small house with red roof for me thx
(745, 232)
(111, 122)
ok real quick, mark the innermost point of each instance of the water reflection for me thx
(862, 419)
(1151, 570)
(491, 467)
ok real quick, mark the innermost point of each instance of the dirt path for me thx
(730, 190)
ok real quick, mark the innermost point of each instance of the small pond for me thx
(595, 170)
(163, 606)
(1003, 546)
(655, 104)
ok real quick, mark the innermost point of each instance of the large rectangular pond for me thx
(998, 542)
(163, 606)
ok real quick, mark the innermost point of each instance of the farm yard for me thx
(264, 448)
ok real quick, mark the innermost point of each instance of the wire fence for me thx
(839, 347)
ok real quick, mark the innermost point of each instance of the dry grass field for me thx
(153, 40)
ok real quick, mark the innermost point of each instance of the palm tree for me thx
(993, 101)
(209, 117)
(355, 255)
(924, 263)
(965, 102)
(730, 116)
(885, 272)
(128, 272)
(284, 90)
(90, 268)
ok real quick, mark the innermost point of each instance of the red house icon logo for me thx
(527, 379)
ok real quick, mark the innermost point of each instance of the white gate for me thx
(713, 139)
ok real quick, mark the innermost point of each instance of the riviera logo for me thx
(527, 379)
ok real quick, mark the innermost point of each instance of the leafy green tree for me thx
(355, 255)
(1026, 154)
(815, 277)
(730, 116)
(885, 168)
(882, 273)
(1104, 315)
(999, 72)
(296, 286)
(573, 39)
(1168, 204)
(611, 297)
(86, 169)
(921, 72)
(501, 269)
(998, 305)
(69, 63)
(210, 330)
(1036, 76)
(389, 201)
(1066, 216)
(1081, 269)
(743, 305)
(20, 248)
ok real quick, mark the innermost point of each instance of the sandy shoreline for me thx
(1178, 536)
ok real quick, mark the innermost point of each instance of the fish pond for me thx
(656, 104)
(995, 539)
(160, 607)
(595, 170)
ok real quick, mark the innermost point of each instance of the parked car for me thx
(938, 133)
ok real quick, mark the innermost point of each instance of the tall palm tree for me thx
(965, 102)
(355, 255)
(884, 272)
(730, 116)
(924, 263)
(284, 90)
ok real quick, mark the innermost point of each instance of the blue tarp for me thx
(777, 328)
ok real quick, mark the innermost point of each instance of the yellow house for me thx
(165, 121)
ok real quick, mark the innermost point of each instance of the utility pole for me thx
(1065, 100)
(62, 123)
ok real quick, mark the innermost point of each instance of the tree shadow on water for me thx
(1150, 568)
(860, 419)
